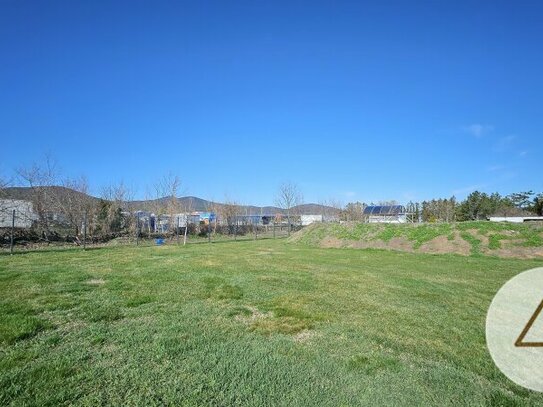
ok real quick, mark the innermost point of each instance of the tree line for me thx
(477, 206)
(62, 205)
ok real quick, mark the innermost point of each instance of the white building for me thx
(516, 219)
(24, 213)
(385, 214)
(309, 219)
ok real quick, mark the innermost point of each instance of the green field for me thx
(250, 323)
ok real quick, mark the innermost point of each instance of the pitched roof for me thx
(386, 210)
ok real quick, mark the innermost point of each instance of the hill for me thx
(192, 202)
(26, 193)
(464, 238)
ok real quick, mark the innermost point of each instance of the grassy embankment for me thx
(495, 239)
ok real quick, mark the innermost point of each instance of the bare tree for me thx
(391, 202)
(288, 197)
(4, 183)
(229, 213)
(187, 208)
(40, 177)
(74, 202)
(165, 202)
(172, 184)
(212, 208)
(330, 209)
(354, 211)
(149, 206)
(116, 212)
(126, 193)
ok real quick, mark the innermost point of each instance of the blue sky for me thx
(352, 101)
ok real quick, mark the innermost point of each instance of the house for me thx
(183, 219)
(309, 219)
(385, 214)
(24, 213)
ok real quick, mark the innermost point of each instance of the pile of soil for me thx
(464, 242)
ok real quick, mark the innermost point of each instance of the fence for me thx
(22, 229)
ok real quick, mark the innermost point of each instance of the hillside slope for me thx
(192, 202)
(465, 238)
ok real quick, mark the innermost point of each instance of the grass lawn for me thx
(250, 323)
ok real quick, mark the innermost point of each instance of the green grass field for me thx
(250, 323)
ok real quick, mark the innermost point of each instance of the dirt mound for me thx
(444, 245)
(518, 252)
(469, 238)
(330, 241)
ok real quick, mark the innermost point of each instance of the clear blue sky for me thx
(383, 100)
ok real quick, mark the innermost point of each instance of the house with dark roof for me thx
(385, 214)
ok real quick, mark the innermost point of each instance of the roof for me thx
(387, 210)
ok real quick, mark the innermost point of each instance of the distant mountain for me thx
(26, 193)
(192, 202)
(314, 209)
